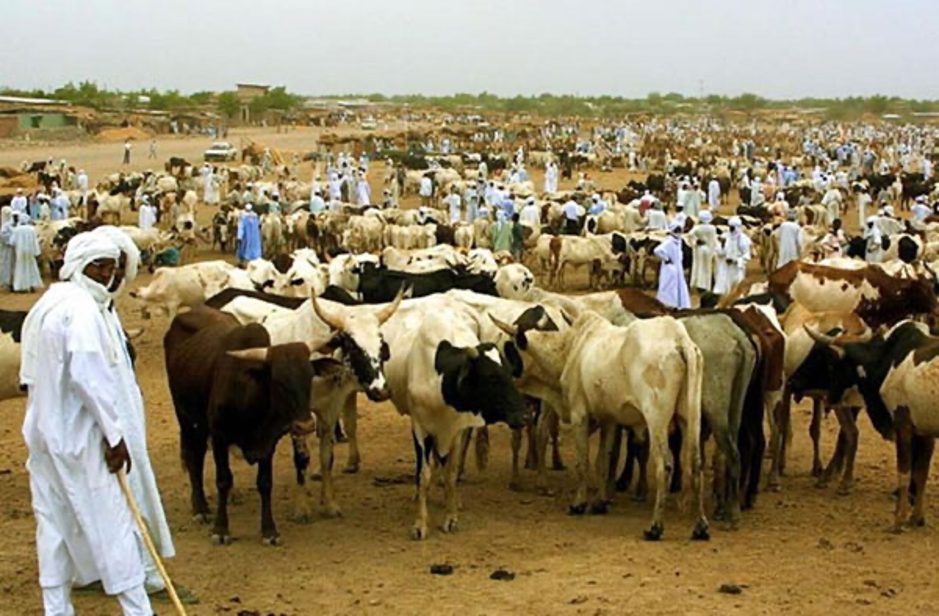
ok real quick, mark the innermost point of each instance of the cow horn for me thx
(472, 352)
(318, 346)
(253, 354)
(133, 334)
(385, 313)
(332, 320)
(511, 330)
(819, 337)
(864, 336)
(567, 317)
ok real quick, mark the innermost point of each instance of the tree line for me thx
(90, 94)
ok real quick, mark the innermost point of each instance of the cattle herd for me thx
(422, 307)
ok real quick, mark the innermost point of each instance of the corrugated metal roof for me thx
(20, 100)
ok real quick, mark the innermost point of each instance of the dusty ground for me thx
(804, 549)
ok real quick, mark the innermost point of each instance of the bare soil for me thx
(802, 550)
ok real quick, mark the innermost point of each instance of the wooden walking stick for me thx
(148, 541)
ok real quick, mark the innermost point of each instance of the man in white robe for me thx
(19, 203)
(733, 258)
(920, 210)
(655, 218)
(7, 254)
(864, 199)
(146, 215)
(551, 178)
(693, 200)
(832, 202)
(873, 246)
(454, 206)
(705, 246)
(673, 288)
(530, 214)
(26, 277)
(78, 430)
(789, 235)
(363, 192)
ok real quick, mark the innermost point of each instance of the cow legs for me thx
(223, 484)
(193, 448)
(581, 428)
(626, 476)
(450, 471)
(515, 483)
(847, 418)
(777, 440)
(923, 447)
(541, 445)
(662, 464)
(554, 430)
(729, 475)
(302, 512)
(423, 448)
(350, 417)
(327, 494)
(904, 443)
(265, 482)
(815, 432)
(604, 457)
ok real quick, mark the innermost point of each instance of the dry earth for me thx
(803, 550)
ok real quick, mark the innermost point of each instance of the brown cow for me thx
(231, 386)
(868, 292)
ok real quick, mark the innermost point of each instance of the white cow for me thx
(647, 375)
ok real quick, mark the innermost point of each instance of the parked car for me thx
(221, 151)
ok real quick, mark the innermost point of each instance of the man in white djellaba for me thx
(84, 421)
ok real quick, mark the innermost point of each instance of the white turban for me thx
(125, 245)
(85, 248)
(706, 216)
(734, 222)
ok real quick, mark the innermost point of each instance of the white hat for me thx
(676, 227)
(888, 210)
(706, 216)
(734, 222)
(249, 207)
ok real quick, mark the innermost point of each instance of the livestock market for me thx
(496, 353)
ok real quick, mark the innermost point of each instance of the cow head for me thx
(865, 360)
(533, 336)
(514, 281)
(285, 373)
(479, 379)
(359, 340)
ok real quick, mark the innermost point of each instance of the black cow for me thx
(378, 284)
(230, 386)
(11, 329)
(893, 374)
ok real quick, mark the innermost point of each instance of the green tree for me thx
(228, 104)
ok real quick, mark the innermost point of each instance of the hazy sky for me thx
(775, 48)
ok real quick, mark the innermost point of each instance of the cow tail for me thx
(689, 410)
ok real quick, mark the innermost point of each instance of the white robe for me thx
(656, 220)
(7, 255)
(732, 263)
(85, 531)
(873, 252)
(551, 180)
(790, 242)
(692, 202)
(705, 246)
(146, 217)
(26, 247)
(673, 289)
(453, 202)
(209, 188)
(363, 193)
